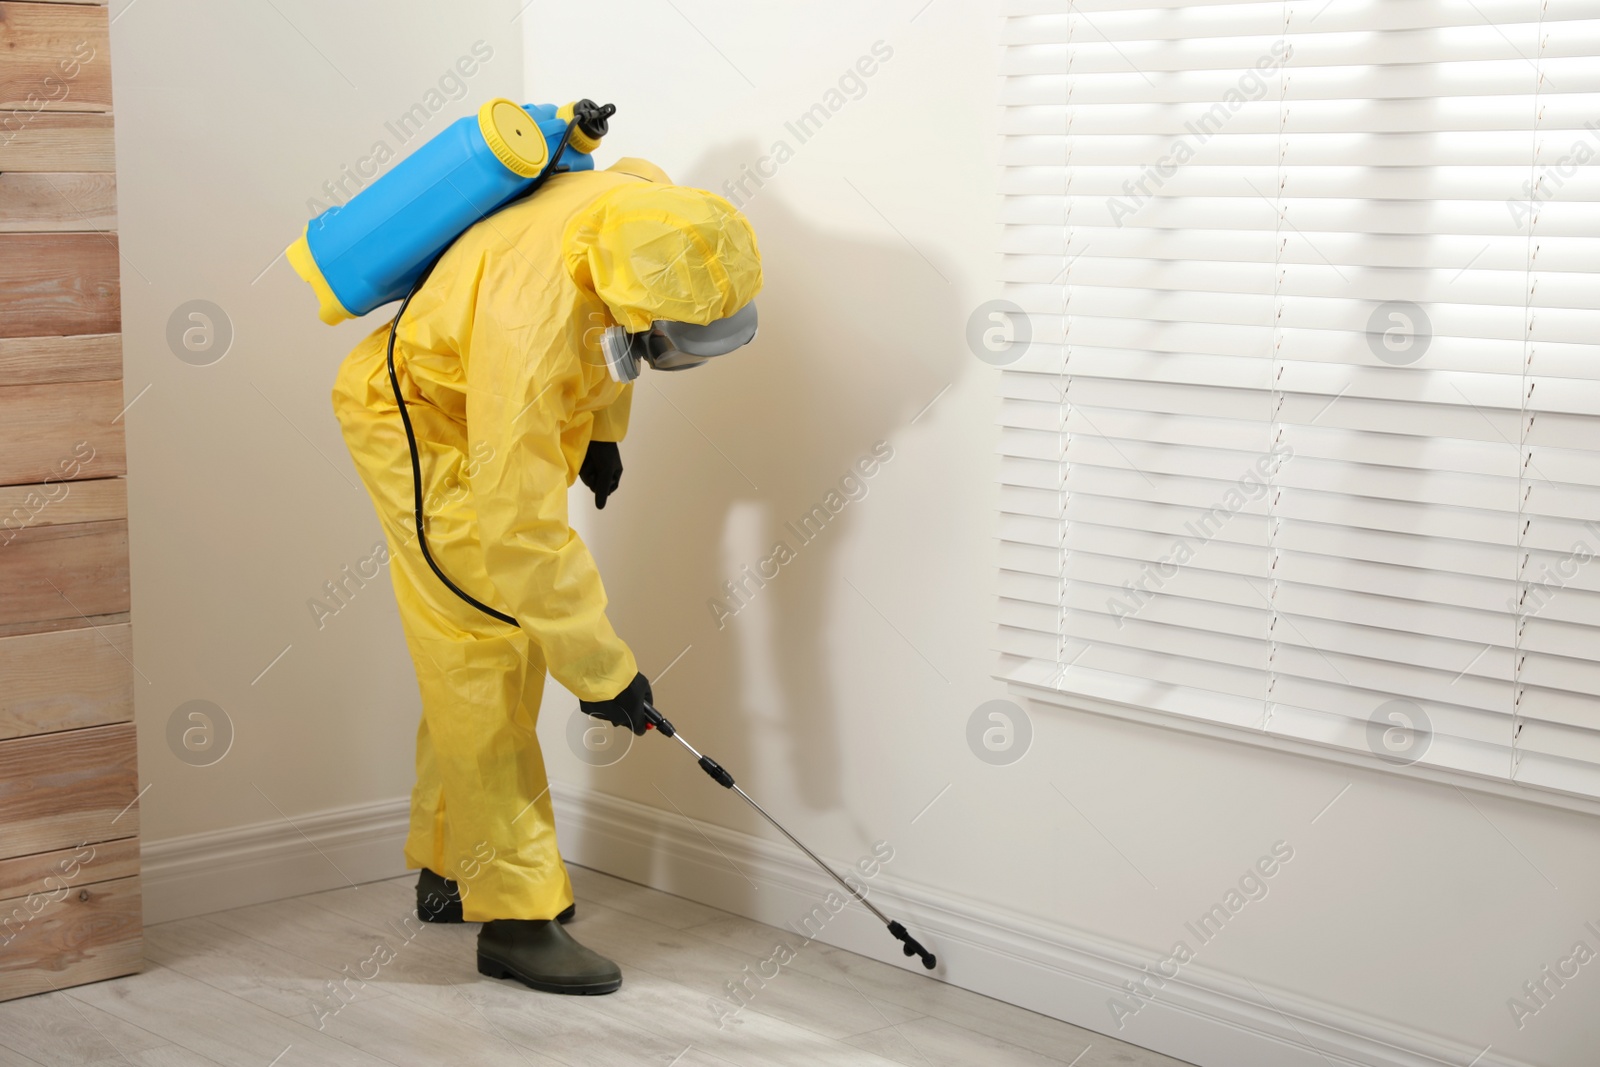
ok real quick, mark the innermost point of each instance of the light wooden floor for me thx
(237, 988)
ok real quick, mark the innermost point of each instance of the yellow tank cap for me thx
(304, 263)
(579, 140)
(513, 137)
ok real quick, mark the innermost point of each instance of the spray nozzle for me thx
(593, 118)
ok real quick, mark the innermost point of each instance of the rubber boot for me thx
(540, 954)
(438, 901)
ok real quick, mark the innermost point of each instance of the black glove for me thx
(626, 708)
(601, 470)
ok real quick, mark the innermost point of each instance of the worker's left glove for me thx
(601, 470)
(626, 708)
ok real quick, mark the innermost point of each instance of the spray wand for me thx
(724, 779)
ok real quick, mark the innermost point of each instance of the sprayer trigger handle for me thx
(659, 721)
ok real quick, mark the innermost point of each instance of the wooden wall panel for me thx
(64, 572)
(59, 283)
(62, 790)
(60, 503)
(50, 626)
(65, 680)
(69, 820)
(51, 141)
(62, 431)
(58, 57)
(93, 357)
(90, 934)
(46, 202)
(46, 872)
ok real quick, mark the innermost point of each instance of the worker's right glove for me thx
(626, 708)
(601, 470)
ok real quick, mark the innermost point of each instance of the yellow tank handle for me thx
(329, 310)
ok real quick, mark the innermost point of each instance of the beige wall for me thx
(243, 499)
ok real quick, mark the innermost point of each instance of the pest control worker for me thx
(514, 362)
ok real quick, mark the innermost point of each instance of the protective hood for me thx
(668, 252)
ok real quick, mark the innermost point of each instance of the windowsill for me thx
(1055, 698)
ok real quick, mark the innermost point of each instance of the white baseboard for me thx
(1202, 1017)
(183, 877)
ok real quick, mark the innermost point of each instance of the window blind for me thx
(1306, 441)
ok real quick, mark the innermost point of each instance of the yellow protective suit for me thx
(498, 360)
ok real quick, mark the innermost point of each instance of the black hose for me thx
(405, 417)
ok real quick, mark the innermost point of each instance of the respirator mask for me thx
(670, 345)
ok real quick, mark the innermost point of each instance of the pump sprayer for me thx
(369, 251)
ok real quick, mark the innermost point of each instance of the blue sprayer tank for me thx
(369, 251)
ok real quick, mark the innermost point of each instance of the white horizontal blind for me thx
(1310, 418)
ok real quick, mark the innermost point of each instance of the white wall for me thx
(836, 689)
(841, 694)
(843, 691)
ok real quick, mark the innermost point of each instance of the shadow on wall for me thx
(857, 336)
